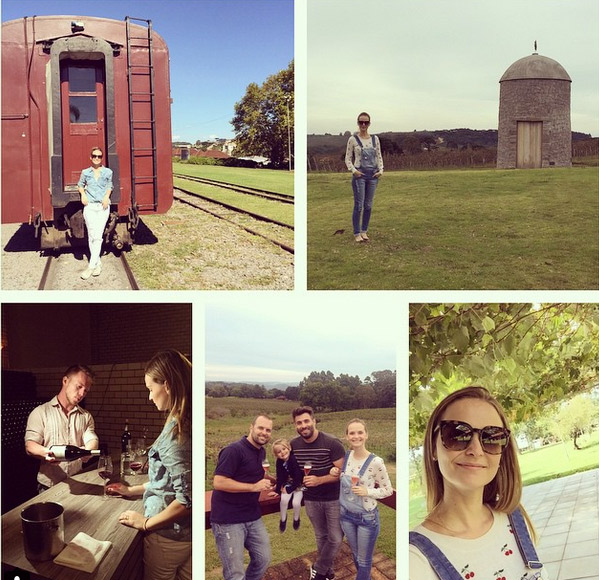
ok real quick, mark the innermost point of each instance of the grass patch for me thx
(536, 466)
(234, 417)
(474, 229)
(282, 212)
(268, 179)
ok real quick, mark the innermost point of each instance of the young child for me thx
(289, 480)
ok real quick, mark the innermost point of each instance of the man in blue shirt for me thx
(95, 187)
(235, 509)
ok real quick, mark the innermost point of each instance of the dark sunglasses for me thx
(363, 122)
(97, 156)
(457, 435)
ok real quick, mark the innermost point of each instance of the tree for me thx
(527, 355)
(576, 417)
(263, 120)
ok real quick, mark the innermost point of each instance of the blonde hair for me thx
(356, 421)
(281, 443)
(504, 492)
(174, 369)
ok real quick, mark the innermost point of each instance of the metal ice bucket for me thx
(43, 530)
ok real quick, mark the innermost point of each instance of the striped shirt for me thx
(321, 453)
(48, 425)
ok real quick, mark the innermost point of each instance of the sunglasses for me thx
(97, 156)
(457, 435)
(363, 122)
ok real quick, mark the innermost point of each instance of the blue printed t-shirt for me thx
(96, 188)
(242, 462)
(169, 469)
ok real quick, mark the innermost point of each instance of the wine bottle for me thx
(126, 459)
(70, 452)
(125, 438)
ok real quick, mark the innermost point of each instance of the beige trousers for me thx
(166, 559)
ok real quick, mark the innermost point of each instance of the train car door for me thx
(82, 106)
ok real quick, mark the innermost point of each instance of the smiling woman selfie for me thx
(476, 526)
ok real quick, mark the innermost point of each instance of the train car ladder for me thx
(140, 76)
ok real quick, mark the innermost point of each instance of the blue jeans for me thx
(231, 539)
(324, 517)
(363, 188)
(361, 531)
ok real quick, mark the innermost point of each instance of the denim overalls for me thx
(360, 526)
(445, 569)
(365, 186)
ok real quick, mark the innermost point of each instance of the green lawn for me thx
(468, 229)
(542, 464)
(268, 179)
(228, 418)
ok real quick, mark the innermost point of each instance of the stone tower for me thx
(534, 115)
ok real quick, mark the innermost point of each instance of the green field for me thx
(468, 229)
(228, 418)
(536, 466)
(268, 179)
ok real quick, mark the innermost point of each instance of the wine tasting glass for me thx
(105, 471)
(136, 463)
(307, 468)
(266, 467)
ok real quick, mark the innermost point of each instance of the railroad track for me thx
(272, 195)
(231, 214)
(62, 273)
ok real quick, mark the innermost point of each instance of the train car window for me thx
(82, 80)
(82, 109)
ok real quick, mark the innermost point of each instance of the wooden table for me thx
(84, 511)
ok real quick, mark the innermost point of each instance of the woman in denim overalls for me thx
(363, 158)
(360, 472)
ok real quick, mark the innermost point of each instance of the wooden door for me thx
(82, 106)
(530, 135)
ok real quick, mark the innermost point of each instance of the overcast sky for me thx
(436, 64)
(283, 338)
(216, 48)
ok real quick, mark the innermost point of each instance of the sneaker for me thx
(296, 524)
(86, 273)
(365, 236)
(312, 573)
(282, 525)
(358, 237)
(97, 270)
(330, 575)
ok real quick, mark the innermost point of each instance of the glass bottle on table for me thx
(70, 452)
(105, 471)
(126, 460)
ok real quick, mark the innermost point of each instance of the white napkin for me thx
(83, 553)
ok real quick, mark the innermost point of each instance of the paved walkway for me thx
(565, 513)
(383, 568)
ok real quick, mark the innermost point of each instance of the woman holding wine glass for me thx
(167, 494)
(360, 472)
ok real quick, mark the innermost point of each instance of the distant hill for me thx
(415, 141)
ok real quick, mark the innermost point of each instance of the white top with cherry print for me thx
(493, 556)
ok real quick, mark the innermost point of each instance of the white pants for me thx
(297, 504)
(166, 559)
(95, 217)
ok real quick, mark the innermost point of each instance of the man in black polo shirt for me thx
(321, 497)
(235, 516)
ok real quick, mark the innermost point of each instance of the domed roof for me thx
(535, 66)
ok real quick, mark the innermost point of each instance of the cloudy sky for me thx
(283, 338)
(436, 64)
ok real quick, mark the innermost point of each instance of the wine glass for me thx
(136, 464)
(307, 468)
(105, 471)
(355, 480)
(265, 466)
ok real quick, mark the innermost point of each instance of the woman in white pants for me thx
(95, 187)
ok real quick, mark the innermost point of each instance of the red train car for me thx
(71, 83)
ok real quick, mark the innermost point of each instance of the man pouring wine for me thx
(62, 422)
